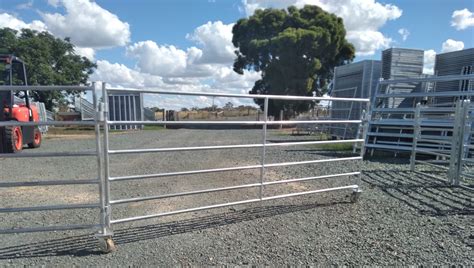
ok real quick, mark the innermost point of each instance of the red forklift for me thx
(16, 106)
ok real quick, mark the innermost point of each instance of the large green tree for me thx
(49, 61)
(295, 50)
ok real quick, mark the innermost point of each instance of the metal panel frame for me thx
(102, 153)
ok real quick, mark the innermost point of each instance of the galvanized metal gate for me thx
(453, 150)
(105, 178)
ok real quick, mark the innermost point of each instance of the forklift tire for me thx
(13, 139)
(36, 139)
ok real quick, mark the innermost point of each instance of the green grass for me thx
(153, 127)
(334, 146)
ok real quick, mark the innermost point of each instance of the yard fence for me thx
(105, 175)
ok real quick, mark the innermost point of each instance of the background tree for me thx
(295, 49)
(49, 61)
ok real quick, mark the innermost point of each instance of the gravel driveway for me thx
(402, 217)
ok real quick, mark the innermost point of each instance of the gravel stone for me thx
(401, 218)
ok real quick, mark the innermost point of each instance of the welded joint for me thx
(100, 114)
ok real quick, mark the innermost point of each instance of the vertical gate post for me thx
(264, 142)
(356, 192)
(107, 244)
(464, 132)
(416, 135)
(455, 164)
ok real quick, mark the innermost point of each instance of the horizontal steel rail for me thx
(426, 94)
(50, 207)
(444, 78)
(230, 204)
(259, 123)
(47, 183)
(203, 171)
(412, 110)
(42, 155)
(49, 228)
(229, 95)
(46, 123)
(229, 188)
(238, 146)
(45, 88)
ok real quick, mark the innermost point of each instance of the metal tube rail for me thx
(50, 207)
(49, 228)
(229, 188)
(46, 123)
(426, 94)
(230, 204)
(444, 78)
(264, 142)
(239, 146)
(47, 183)
(432, 153)
(245, 123)
(230, 95)
(202, 171)
(40, 155)
(45, 88)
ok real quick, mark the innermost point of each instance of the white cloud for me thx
(215, 39)
(429, 61)
(26, 5)
(10, 21)
(87, 24)
(462, 19)
(85, 52)
(222, 79)
(158, 60)
(367, 42)
(362, 18)
(404, 33)
(168, 61)
(120, 75)
(452, 45)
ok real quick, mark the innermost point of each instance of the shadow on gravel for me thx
(426, 195)
(87, 244)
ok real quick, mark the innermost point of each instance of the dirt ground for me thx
(402, 218)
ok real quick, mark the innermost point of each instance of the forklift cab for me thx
(12, 73)
(15, 106)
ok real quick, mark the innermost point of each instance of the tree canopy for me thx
(49, 61)
(294, 49)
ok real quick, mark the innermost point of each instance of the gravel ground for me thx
(402, 217)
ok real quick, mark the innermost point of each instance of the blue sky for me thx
(185, 44)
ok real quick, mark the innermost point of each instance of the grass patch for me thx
(76, 130)
(153, 127)
(334, 146)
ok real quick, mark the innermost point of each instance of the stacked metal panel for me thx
(399, 63)
(126, 107)
(453, 63)
(356, 80)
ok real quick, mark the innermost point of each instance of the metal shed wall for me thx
(398, 63)
(356, 80)
(126, 107)
(453, 63)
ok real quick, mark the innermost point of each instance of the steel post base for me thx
(106, 243)
(355, 195)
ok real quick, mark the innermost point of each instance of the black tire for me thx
(37, 138)
(10, 141)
